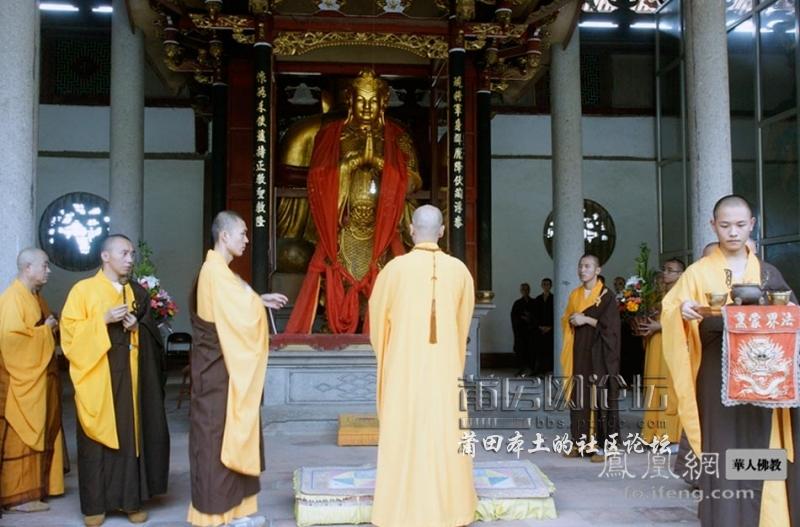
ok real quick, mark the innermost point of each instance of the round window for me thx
(599, 235)
(72, 229)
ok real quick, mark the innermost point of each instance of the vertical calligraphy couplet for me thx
(262, 184)
(457, 165)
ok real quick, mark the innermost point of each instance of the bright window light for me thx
(643, 25)
(748, 27)
(598, 24)
(49, 6)
(103, 9)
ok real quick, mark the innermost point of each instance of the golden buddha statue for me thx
(361, 170)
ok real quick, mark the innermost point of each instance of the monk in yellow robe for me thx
(100, 338)
(31, 453)
(229, 361)
(420, 311)
(692, 348)
(661, 404)
(590, 351)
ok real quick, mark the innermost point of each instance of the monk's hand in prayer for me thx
(688, 310)
(274, 300)
(116, 314)
(130, 322)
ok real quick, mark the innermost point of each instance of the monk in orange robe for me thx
(31, 454)
(229, 361)
(421, 308)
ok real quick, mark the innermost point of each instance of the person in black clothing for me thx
(522, 325)
(543, 328)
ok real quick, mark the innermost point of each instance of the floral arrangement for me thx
(640, 296)
(161, 304)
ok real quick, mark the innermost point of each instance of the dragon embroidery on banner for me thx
(761, 368)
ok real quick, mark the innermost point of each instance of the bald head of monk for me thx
(33, 268)
(229, 233)
(117, 255)
(427, 225)
(733, 223)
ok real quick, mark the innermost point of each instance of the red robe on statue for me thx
(342, 302)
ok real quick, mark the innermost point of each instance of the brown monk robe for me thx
(154, 447)
(31, 444)
(590, 355)
(229, 362)
(693, 352)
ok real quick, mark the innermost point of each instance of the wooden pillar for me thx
(457, 144)
(219, 146)
(262, 158)
(483, 154)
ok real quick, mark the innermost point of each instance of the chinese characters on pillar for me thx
(260, 157)
(457, 127)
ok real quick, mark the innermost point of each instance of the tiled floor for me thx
(582, 497)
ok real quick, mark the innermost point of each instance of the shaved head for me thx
(426, 224)
(594, 258)
(112, 240)
(589, 269)
(732, 200)
(226, 220)
(29, 256)
(678, 262)
(34, 268)
(733, 224)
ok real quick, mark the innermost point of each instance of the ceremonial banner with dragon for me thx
(760, 356)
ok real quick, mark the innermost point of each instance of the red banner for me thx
(760, 356)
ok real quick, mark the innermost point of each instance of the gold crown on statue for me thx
(367, 81)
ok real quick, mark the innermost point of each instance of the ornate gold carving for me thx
(240, 37)
(443, 5)
(522, 68)
(478, 34)
(465, 10)
(259, 7)
(221, 22)
(295, 43)
(547, 11)
(499, 86)
(203, 78)
(495, 30)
